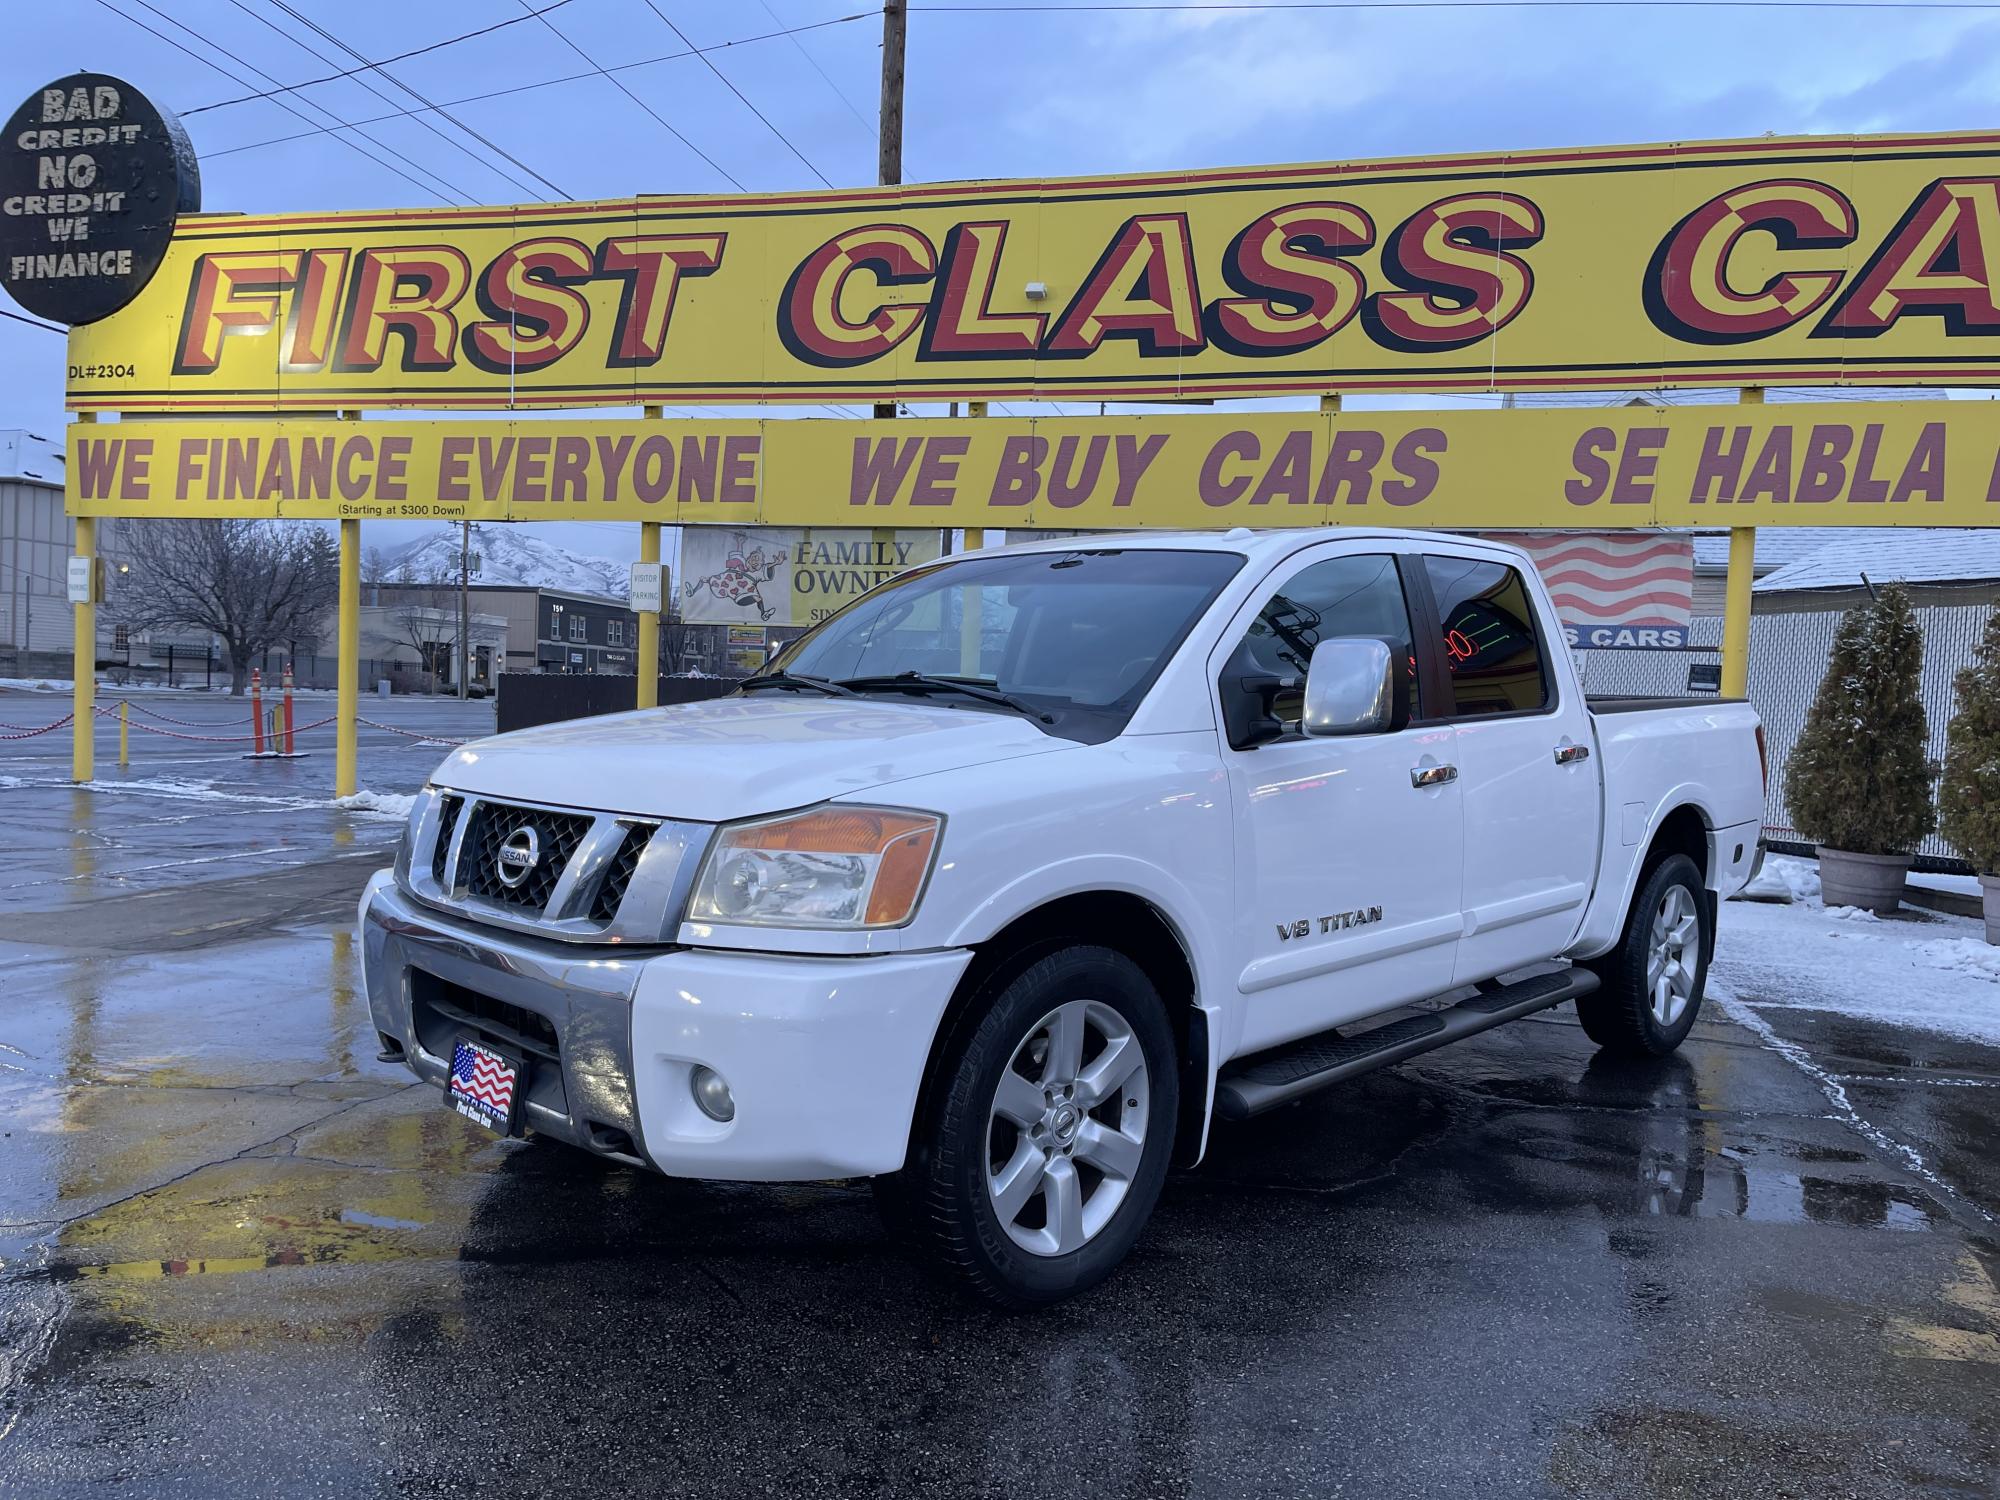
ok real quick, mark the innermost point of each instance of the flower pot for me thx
(1873, 882)
(1989, 894)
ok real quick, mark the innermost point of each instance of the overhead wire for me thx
(619, 84)
(450, 41)
(709, 63)
(417, 95)
(450, 141)
(839, 92)
(1280, 5)
(242, 82)
(546, 83)
(34, 322)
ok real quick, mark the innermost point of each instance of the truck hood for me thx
(737, 757)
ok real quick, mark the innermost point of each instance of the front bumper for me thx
(823, 1055)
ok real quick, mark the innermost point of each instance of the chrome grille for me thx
(448, 811)
(600, 877)
(618, 877)
(493, 823)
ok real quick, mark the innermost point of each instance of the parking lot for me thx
(238, 1255)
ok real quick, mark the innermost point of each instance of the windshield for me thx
(1078, 636)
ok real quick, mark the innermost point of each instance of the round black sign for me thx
(92, 177)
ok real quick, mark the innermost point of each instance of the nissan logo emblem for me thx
(519, 853)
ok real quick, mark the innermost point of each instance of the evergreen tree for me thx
(1857, 780)
(1970, 798)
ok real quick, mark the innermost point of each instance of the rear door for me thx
(1348, 873)
(1521, 742)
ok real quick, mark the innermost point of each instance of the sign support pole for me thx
(83, 727)
(1736, 593)
(347, 692)
(647, 670)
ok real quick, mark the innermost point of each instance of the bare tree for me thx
(424, 616)
(254, 584)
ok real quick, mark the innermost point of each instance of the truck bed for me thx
(1636, 703)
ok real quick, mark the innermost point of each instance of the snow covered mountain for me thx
(510, 555)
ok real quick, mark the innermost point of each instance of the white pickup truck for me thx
(1000, 885)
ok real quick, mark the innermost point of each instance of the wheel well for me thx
(1683, 831)
(1118, 920)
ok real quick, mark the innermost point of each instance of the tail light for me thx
(1763, 759)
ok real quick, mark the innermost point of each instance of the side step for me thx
(1251, 1085)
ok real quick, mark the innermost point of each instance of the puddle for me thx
(1723, 1185)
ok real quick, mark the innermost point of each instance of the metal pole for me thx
(464, 606)
(889, 164)
(1736, 593)
(646, 672)
(348, 667)
(124, 740)
(83, 700)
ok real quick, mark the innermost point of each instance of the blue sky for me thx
(990, 94)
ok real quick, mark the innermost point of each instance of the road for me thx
(237, 1255)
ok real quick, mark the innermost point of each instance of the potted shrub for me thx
(1969, 801)
(1857, 784)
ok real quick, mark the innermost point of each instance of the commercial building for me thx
(539, 629)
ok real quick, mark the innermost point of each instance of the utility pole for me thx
(889, 173)
(464, 606)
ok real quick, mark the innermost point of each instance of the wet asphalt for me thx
(238, 1256)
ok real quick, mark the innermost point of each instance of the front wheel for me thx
(1653, 980)
(1047, 1141)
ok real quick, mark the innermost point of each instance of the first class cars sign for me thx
(93, 177)
(1799, 261)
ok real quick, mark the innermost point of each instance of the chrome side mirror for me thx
(1350, 687)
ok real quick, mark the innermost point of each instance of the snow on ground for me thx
(1923, 969)
(383, 804)
(370, 804)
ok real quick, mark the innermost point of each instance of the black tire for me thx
(1620, 1016)
(945, 1185)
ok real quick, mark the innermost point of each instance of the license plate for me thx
(483, 1085)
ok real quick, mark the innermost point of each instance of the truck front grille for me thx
(494, 823)
(611, 889)
(449, 808)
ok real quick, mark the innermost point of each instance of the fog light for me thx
(711, 1093)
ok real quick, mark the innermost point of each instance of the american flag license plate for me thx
(483, 1085)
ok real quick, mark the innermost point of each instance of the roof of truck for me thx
(1241, 540)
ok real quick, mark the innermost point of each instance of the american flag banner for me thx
(482, 1085)
(1612, 589)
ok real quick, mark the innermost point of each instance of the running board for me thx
(1266, 1080)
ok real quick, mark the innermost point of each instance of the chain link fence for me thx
(1788, 656)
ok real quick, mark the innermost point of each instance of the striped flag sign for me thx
(1616, 589)
(482, 1086)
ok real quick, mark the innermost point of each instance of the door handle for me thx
(1569, 755)
(1421, 776)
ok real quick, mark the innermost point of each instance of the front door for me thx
(1348, 871)
(1522, 749)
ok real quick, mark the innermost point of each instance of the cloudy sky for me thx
(995, 90)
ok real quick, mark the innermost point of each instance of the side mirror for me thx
(1351, 688)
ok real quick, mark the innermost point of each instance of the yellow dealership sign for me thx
(1853, 463)
(1798, 261)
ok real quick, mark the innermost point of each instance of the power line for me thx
(840, 93)
(240, 81)
(307, 48)
(1271, 5)
(498, 150)
(547, 83)
(709, 63)
(312, 51)
(619, 84)
(34, 322)
(450, 41)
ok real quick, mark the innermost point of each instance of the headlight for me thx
(831, 867)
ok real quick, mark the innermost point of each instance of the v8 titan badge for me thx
(93, 177)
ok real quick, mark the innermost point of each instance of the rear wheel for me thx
(1046, 1143)
(1653, 980)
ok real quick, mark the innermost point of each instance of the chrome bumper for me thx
(567, 1008)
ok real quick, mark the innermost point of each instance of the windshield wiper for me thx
(924, 682)
(797, 680)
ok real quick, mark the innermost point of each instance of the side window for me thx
(1490, 641)
(1341, 596)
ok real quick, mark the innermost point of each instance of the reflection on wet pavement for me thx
(238, 1255)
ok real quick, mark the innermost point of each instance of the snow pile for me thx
(1851, 914)
(1784, 879)
(512, 555)
(382, 804)
(1929, 971)
(10, 781)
